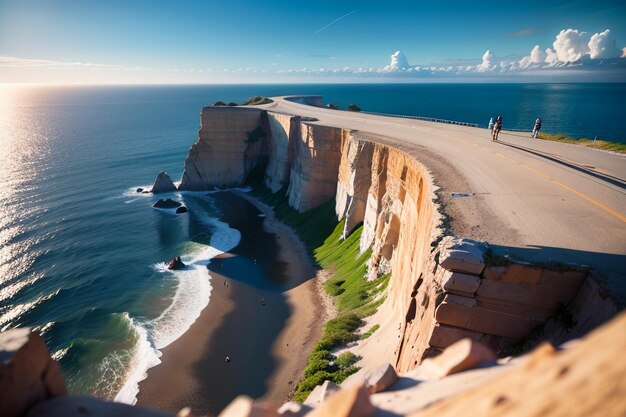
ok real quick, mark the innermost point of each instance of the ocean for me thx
(83, 256)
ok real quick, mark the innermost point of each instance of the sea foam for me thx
(192, 296)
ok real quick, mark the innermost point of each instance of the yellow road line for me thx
(568, 188)
(593, 201)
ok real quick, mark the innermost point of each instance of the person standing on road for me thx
(536, 128)
(496, 128)
(490, 123)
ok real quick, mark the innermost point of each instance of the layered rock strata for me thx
(228, 147)
(437, 294)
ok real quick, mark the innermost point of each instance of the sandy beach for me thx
(264, 314)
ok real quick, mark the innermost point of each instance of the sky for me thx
(236, 41)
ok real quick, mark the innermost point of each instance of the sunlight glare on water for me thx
(23, 153)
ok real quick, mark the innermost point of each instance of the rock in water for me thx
(169, 203)
(140, 190)
(181, 209)
(163, 184)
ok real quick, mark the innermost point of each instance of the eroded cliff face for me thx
(439, 292)
(228, 148)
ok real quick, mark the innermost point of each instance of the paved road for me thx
(534, 200)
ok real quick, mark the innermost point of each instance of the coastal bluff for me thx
(442, 288)
(451, 303)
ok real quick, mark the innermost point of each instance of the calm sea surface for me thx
(82, 256)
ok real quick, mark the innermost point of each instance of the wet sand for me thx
(264, 314)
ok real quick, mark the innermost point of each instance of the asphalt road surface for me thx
(531, 199)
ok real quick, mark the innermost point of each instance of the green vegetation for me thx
(353, 107)
(355, 296)
(232, 104)
(255, 135)
(257, 100)
(590, 143)
(370, 332)
(218, 104)
(332, 106)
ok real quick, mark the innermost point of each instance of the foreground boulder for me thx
(163, 184)
(27, 373)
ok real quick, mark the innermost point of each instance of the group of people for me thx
(496, 127)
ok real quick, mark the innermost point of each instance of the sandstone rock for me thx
(462, 255)
(586, 380)
(27, 373)
(243, 406)
(75, 406)
(282, 127)
(224, 154)
(351, 402)
(459, 299)
(380, 378)
(315, 156)
(487, 320)
(463, 355)
(162, 184)
(53, 380)
(320, 393)
(292, 409)
(458, 282)
(186, 412)
(169, 203)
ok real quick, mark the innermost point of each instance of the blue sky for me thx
(256, 41)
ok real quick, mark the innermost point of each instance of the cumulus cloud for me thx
(536, 57)
(570, 45)
(488, 62)
(623, 53)
(398, 62)
(551, 58)
(602, 45)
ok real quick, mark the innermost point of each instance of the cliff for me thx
(444, 291)
(229, 145)
(436, 296)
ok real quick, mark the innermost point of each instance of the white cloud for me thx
(551, 58)
(602, 45)
(623, 53)
(570, 45)
(13, 62)
(487, 64)
(398, 62)
(536, 57)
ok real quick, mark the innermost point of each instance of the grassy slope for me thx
(355, 297)
(599, 144)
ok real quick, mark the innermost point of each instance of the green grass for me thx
(257, 100)
(370, 332)
(598, 144)
(355, 297)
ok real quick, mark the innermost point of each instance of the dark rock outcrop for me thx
(169, 203)
(163, 184)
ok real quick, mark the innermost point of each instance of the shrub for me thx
(346, 360)
(257, 100)
(218, 104)
(353, 107)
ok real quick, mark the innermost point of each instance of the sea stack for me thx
(163, 184)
